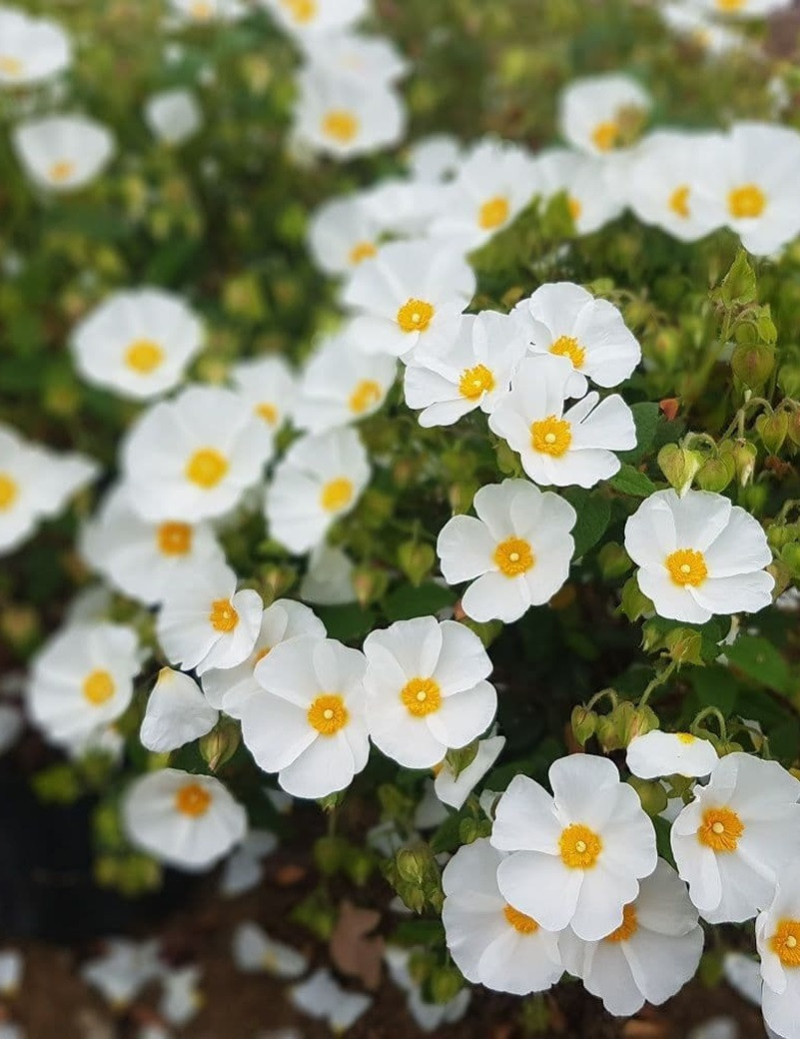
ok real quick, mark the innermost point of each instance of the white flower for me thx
(181, 997)
(691, 22)
(426, 689)
(739, 830)
(31, 49)
(473, 371)
(308, 724)
(558, 446)
(243, 869)
(328, 581)
(435, 158)
(269, 386)
(519, 550)
(319, 480)
(320, 996)
(661, 754)
(230, 689)
(81, 679)
(193, 457)
(123, 970)
(342, 234)
(593, 198)
(599, 113)
(173, 116)
(177, 713)
(402, 207)
(184, 820)
(305, 17)
(12, 966)
(343, 118)
(255, 951)
(62, 153)
(205, 11)
(654, 952)
(35, 484)
(739, 8)
(137, 343)
(778, 942)
(454, 790)
(369, 61)
(565, 320)
(207, 623)
(410, 294)
(493, 184)
(341, 385)
(428, 1016)
(577, 856)
(492, 942)
(699, 555)
(743, 974)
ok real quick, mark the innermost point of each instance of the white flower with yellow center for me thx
(304, 18)
(82, 679)
(729, 843)
(474, 371)
(737, 9)
(203, 12)
(403, 208)
(654, 952)
(599, 114)
(699, 555)
(565, 320)
(426, 689)
(177, 713)
(491, 941)
(778, 943)
(577, 855)
(657, 754)
(193, 457)
(208, 624)
(183, 820)
(435, 158)
(344, 119)
(368, 61)
(341, 384)
(411, 294)
(319, 480)
(62, 153)
(559, 445)
(255, 951)
(342, 234)
(308, 724)
(35, 485)
(454, 790)
(137, 343)
(173, 116)
(518, 550)
(691, 22)
(269, 387)
(230, 689)
(592, 191)
(31, 49)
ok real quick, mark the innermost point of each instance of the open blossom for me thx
(778, 942)
(206, 11)
(269, 387)
(435, 158)
(601, 113)
(306, 17)
(729, 843)
(739, 9)
(404, 208)
(593, 196)
(662, 754)
(699, 555)
(62, 153)
(173, 116)
(426, 689)
(518, 549)
(577, 855)
(654, 952)
(342, 234)
(368, 61)
(32, 50)
(454, 790)
(177, 713)
(560, 445)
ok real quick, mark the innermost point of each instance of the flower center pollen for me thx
(520, 922)
(687, 567)
(575, 208)
(223, 617)
(475, 382)
(494, 213)
(551, 436)
(61, 171)
(606, 135)
(206, 468)
(514, 557)
(328, 714)
(336, 494)
(365, 396)
(569, 347)
(421, 697)
(720, 830)
(361, 251)
(415, 315)
(340, 126)
(303, 11)
(579, 846)
(98, 687)
(11, 67)
(9, 491)
(192, 800)
(785, 942)
(747, 201)
(174, 539)
(268, 412)
(144, 356)
(679, 202)
(628, 928)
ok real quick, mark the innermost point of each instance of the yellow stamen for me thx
(328, 714)
(514, 556)
(98, 687)
(679, 202)
(11, 67)
(687, 567)
(551, 436)
(192, 800)
(785, 942)
(579, 846)
(223, 617)
(303, 11)
(206, 468)
(144, 356)
(340, 125)
(568, 346)
(494, 213)
(575, 207)
(175, 539)
(475, 382)
(421, 697)
(9, 491)
(720, 830)
(606, 135)
(362, 251)
(268, 412)
(686, 738)
(520, 922)
(628, 928)
(746, 202)
(336, 494)
(61, 171)
(366, 395)
(415, 315)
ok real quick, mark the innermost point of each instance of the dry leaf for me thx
(352, 949)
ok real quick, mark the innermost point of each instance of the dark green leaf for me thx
(631, 482)
(594, 513)
(408, 602)
(759, 660)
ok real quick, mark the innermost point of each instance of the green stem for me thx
(657, 681)
(696, 728)
(611, 694)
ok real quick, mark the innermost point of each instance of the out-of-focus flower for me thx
(173, 116)
(62, 153)
(778, 943)
(123, 970)
(269, 386)
(255, 951)
(320, 996)
(594, 196)
(31, 49)
(343, 233)
(328, 581)
(601, 113)
(177, 713)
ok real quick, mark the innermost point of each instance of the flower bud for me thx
(651, 794)
(789, 379)
(679, 466)
(613, 561)
(790, 556)
(744, 457)
(772, 430)
(793, 427)
(634, 602)
(584, 723)
(716, 474)
(446, 983)
(219, 746)
(416, 560)
(369, 584)
(414, 863)
(685, 645)
(752, 364)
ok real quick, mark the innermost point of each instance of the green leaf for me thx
(647, 418)
(594, 514)
(446, 837)
(348, 622)
(631, 482)
(714, 688)
(419, 932)
(759, 660)
(408, 602)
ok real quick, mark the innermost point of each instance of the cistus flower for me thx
(368, 61)
(518, 550)
(182, 819)
(739, 9)
(328, 580)
(699, 555)
(778, 943)
(599, 114)
(435, 158)
(491, 941)
(177, 713)
(577, 855)
(62, 153)
(306, 17)
(173, 116)
(730, 842)
(594, 196)
(426, 689)
(452, 789)
(204, 12)
(32, 50)
(269, 387)
(654, 952)
(662, 754)
(342, 234)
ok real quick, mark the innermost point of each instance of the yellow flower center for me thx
(98, 687)
(687, 567)
(520, 922)
(340, 125)
(421, 697)
(785, 942)
(679, 202)
(575, 207)
(746, 201)
(11, 67)
(494, 213)
(192, 800)
(720, 829)
(9, 491)
(362, 251)
(415, 315)
(336, 494)
(475, 382)
(174, 539)
(569, 347)
(366, 395)
(730, 5)
(328, 714)
(606, 135)
(268, 412)
(61, 171)
(514, 556)
(206, 468)
(303, 11)
(202, 10)
(579, 846)
(686, 738)
(224, 616)
(144, 356)
(551, 436)
(628, 928)
(261, 655)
